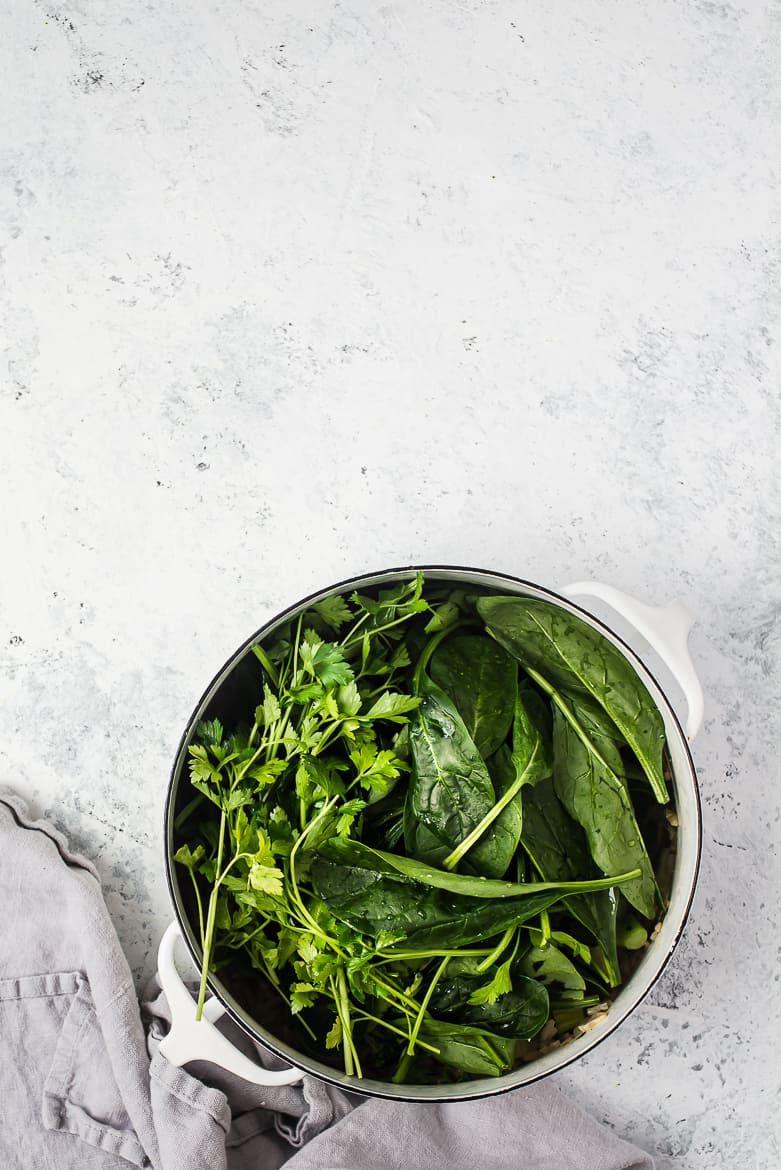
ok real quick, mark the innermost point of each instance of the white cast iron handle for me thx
(666, 629)
(191, 1039)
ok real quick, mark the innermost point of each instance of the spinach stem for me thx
(456, 953)
(493, 955)
(266, 663)
(576, 727)
(429, 649)
(400, 1075)
(463, 847)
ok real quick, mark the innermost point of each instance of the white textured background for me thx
(291, 290)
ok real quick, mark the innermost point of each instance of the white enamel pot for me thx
(664, 630)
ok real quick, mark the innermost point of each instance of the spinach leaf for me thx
(551, 965)
(578, 659)
(559, 850)
(452, 993)
(520, 1012)
(594, 794)
(497, 843)
(450, 790)
(426, 918)
(480, 678)
(356, 854)
(469, 1048)
(527, 762)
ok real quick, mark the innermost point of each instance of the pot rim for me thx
(524, 1074)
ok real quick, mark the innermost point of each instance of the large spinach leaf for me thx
(450, 790)
(557, 845)
(577, 658)
(426, 918)
(480, 678)
(595, 795)
(356, 854)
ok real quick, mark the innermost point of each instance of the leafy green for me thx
(353, 853)
(551, 965)
(529, 762)
(334, 611)
(423, 917)
(520, 1010)
(594, 794)
(479, 676)
(578, 659)
(470, 1049)
(450, 790)
(559, 850)
(384, 859)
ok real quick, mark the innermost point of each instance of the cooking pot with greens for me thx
(431, 834)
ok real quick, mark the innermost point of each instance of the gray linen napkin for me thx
(82, 1084)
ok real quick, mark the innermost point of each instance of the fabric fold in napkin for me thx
(83, 1085)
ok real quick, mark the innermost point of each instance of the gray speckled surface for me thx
(289, 291)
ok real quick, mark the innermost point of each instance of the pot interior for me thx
(232, 692)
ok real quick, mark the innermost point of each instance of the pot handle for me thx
(666, 629)
(191, 1039)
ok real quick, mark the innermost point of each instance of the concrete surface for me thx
(293, 290)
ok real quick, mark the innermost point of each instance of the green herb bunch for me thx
(427, 836)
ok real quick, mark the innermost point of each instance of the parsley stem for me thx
(405, 617)
(349, 637)
(405, 999)
(210, 920)
(274, 981)
(424, 1005)
(280, 727)
(352, 1064)
(244, 939)
(303, 913)
(199, 903)
(327, 733)
(242, 772)
(364, 1015)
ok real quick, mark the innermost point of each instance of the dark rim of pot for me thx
(486, 1088)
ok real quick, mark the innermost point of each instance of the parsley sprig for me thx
(323, 744)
